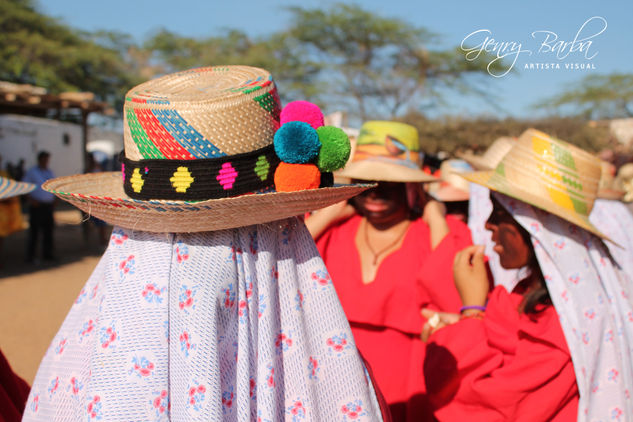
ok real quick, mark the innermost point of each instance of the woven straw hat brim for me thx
(476, 161)
(101, 195)
(10, 188)
(484, 178)
(383, 171)
(450, 193)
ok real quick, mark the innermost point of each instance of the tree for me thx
(39, 50)
(377, 66)
(596, 96)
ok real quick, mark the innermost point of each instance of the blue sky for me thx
(506, 21)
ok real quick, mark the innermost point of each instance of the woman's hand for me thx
(435, 321)
(469, 273)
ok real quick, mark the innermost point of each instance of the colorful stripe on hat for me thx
(10, 188)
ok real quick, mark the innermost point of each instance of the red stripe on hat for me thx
(160, 137)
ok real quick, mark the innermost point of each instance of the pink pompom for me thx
(302, 111)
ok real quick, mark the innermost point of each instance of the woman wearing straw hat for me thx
(13, 389)
(386, 262)
(557, 346)
(211, 302)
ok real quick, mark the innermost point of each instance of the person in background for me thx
(452, 189)
(390, 251)
(556, 347)
(11, 220)
(208, 304)
(41, 207)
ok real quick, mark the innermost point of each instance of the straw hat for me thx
(549, 174)
(388, 152)
(199, 156)
(491, 157)
(608, 187)
(452, 187)
(10, 188)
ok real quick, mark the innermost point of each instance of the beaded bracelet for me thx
(477, 307)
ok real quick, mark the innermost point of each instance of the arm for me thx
(320, 220)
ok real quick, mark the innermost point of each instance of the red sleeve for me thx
(13, 393)
(505, 367)
(435, 277)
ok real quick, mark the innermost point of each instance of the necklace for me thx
(385, 249)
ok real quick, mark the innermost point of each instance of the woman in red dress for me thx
(390, 252)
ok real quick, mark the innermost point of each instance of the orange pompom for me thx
(293, 177)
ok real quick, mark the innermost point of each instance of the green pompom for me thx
(335, 148)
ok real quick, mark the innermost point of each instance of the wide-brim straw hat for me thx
(387, 152)
(199, 156)
(451, 187)
(10, 188)
(549, 174)
(493, 155)
(624, 180)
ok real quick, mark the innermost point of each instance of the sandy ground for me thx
(35, 298)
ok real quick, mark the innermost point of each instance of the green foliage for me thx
(39, 50)
(596, 96)
(453, 133)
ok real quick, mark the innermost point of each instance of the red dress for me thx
(506, 367)
(385, 314)
(13, 393)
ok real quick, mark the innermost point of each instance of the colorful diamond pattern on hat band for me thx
(201, 179)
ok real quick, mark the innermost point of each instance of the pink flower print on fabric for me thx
(160, 404)
(229, 296)
(35, 403)
(608, 336)
(260, 418)
(613, 375)
(560, 243)
(585, 337)
(182, 252)
(94, 408)
(299, 300)
(196, 396)
(61, 346)
(353, 410)
(235, 255)
(274, 273)
(126, 266)
(141, 367)
(74, 387)
(321, 279)
(283, 342)
(261, 308)
(227, 401)
(81, 296)
(95, 290)
(118, 237)
(270, 378)
(337, 344)
(152, 293)
(296, 411)
(590, 314)
(252, 245)
(227, 176)
(186, 298)
(574, 278)
(185, 343)
(313, 368)
(616, 414)
(107, 336)
(53, 387)
(87, 329)
(252, 388)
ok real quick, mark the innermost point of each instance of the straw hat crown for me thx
(201, 154)
(387, 151)
(548, 173)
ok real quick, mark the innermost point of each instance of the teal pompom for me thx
(297, 143)
(335, 148)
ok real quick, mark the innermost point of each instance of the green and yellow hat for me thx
(389, 152)
(549, 174)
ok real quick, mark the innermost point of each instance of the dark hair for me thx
(537, 289)
(43, 154)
